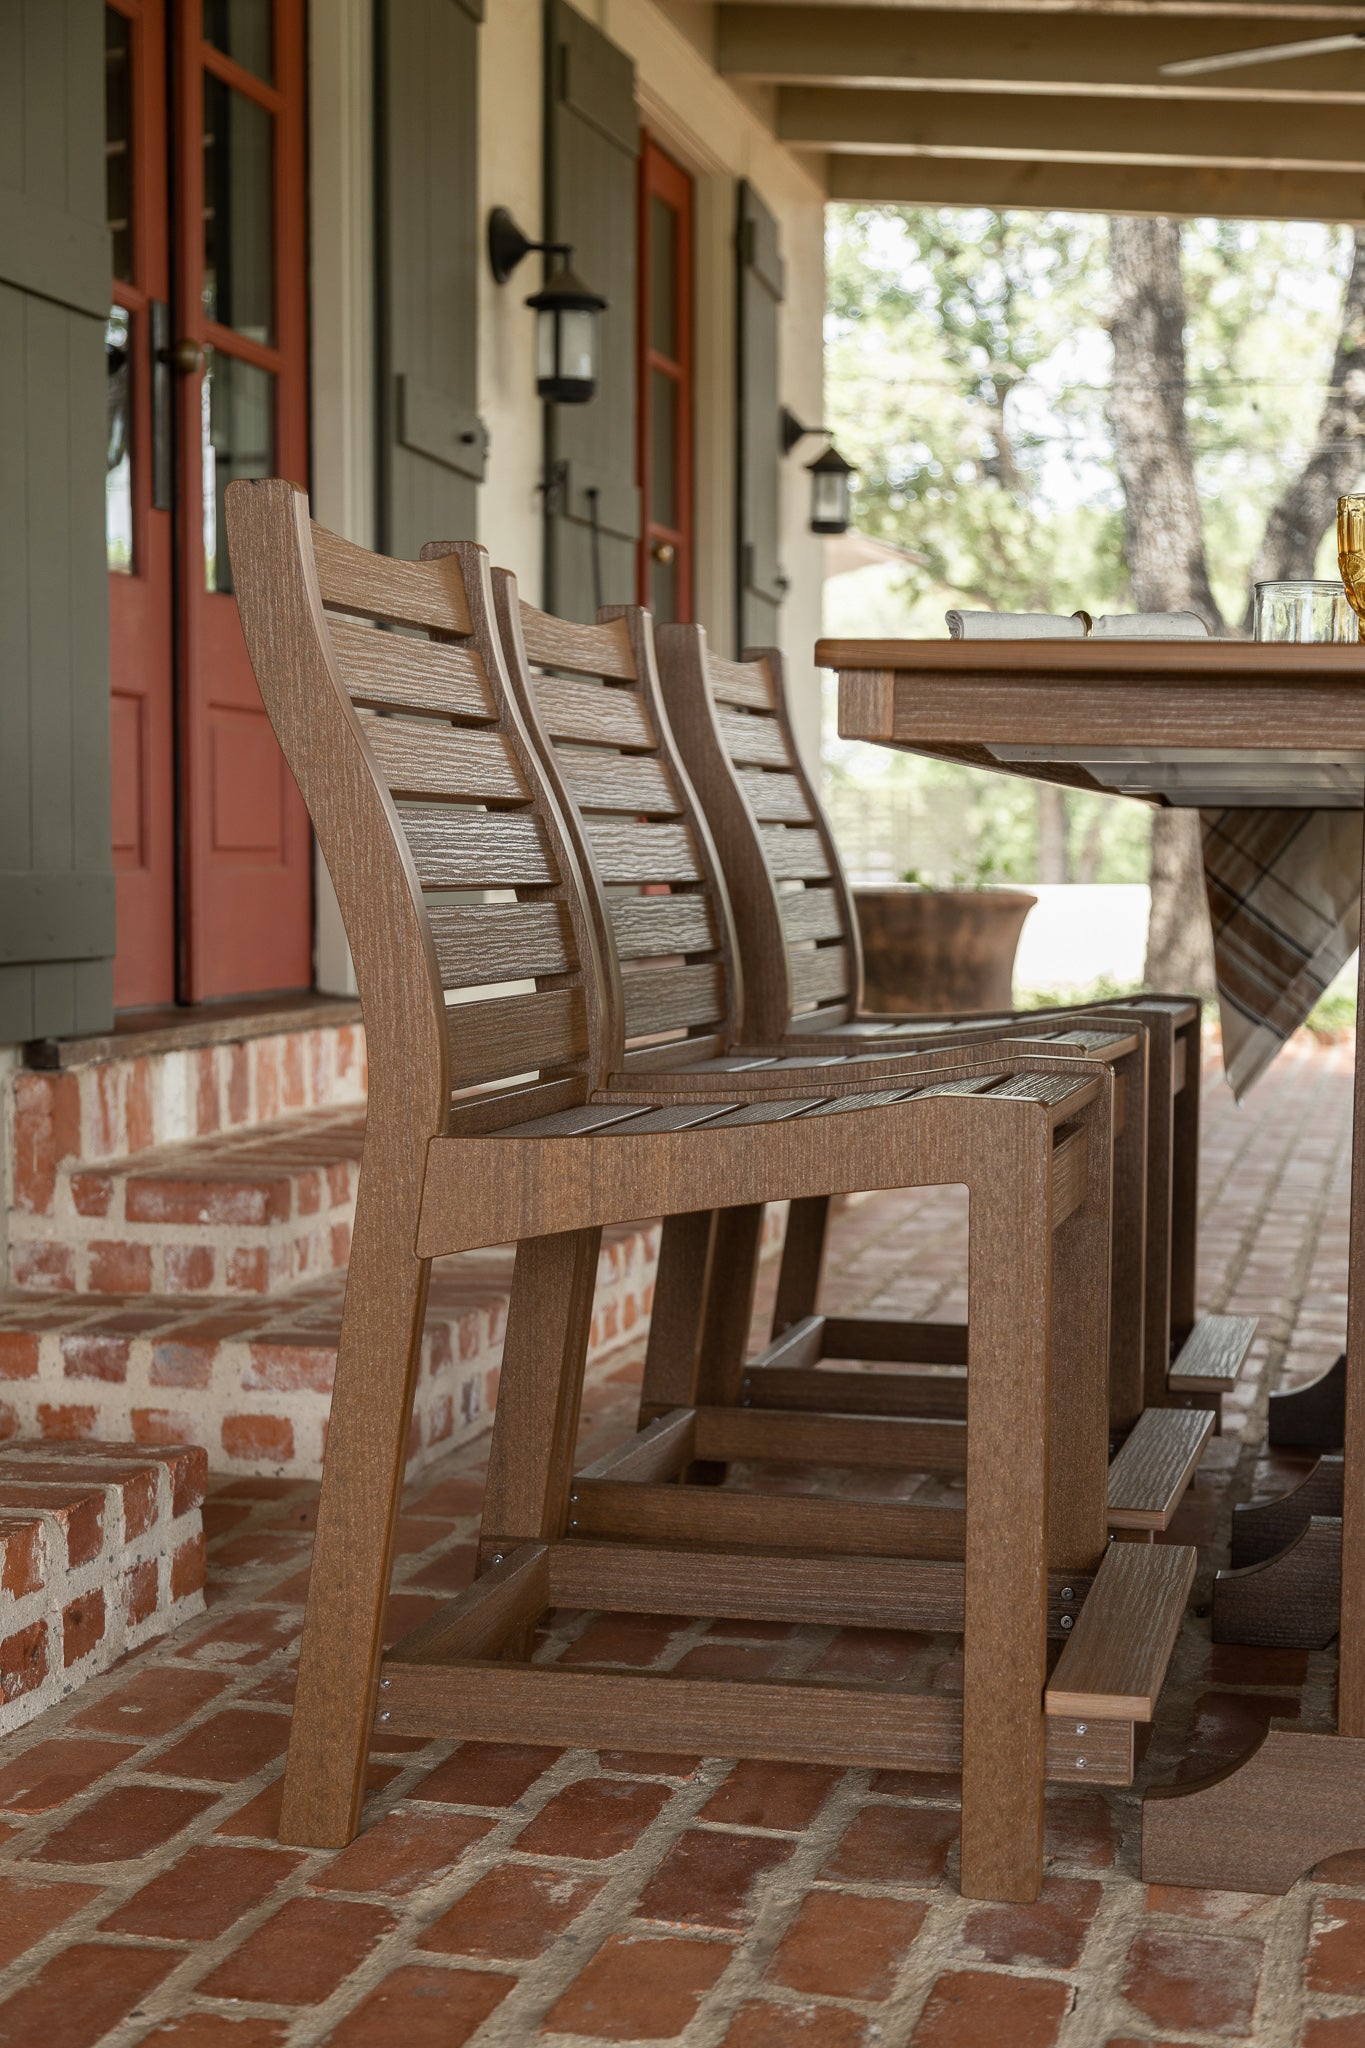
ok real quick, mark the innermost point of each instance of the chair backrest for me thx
(385, 685)
(794, 914)
(591, 696)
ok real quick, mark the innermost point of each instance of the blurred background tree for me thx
(1026, 396)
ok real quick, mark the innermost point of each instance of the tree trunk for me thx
(1165, 543)
(1052, 833)
(1306, 508)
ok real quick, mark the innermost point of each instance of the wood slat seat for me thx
(1210, 1360)
(1154, 1466)
(1114, 1664)
(520, 1114)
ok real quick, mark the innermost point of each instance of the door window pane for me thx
(663, 449)
(663, 278)
(238, 225)
(118, 464)
(238, 437)
(118, 138)
(241, 30)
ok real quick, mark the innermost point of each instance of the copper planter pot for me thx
(927, 950)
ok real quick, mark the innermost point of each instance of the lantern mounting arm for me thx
(507, 245)
(791, 429)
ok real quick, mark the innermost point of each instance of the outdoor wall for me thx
(718, 137)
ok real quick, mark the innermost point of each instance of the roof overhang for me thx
(1062, 103)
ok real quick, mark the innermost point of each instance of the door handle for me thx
(186, 358)
(163, 407)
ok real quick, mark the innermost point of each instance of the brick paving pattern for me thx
(501, 1894)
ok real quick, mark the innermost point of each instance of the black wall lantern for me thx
(568, 314)
(831, 507)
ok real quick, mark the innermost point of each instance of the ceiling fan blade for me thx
(1271, 53)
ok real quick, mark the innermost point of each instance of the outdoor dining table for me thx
(1198, 723)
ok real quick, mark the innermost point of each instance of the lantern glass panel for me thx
(578, 346)
(547, 324)
(829, 499)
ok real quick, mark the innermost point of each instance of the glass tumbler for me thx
(1304, 610)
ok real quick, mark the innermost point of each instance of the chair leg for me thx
(1128, 1269)
(1185, 1194)
(1004, 1649)
(730, 1292)
(803, 1258)
(1161, 1117)
(362, 1481)
(677, 1317)
(530, 1463)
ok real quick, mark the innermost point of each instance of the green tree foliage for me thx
(967, 367)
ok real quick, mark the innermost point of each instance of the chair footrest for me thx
(1114, 1664)
(1148, 1477)
(1212, 1356)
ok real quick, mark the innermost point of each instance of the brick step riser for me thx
(81, 1218)
(101, 1550)
(258, 1404)
(246, 1230)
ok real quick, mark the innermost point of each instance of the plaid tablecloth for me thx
(1284, 902)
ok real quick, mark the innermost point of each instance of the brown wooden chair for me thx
(591, 698)
(797, 937)
(508, 1118)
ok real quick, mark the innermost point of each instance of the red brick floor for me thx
(501, 1895)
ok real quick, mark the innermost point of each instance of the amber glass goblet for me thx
(1351, 552)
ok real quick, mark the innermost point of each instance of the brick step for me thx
(250, 1379)
(101, 1549)
(81, 1135)
(252, 1211)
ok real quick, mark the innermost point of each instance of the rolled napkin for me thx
(1014, 626)
(1149, 626)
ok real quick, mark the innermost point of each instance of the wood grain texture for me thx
(763, 1521)
(904, 1443)
(1311, 1417)
(409, 675)
(479, 943)
(1291, 1600)
(1154, 1466)
(1113, 1667)
(516, 1034)
(1261, 1528)
(509, 1597)
(1263, 1822)
(417, 761)
(877, 1727)
(351, 579)
(1212, 1357)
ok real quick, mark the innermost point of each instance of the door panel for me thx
(664, 575)
(247, 869)
(138, 524)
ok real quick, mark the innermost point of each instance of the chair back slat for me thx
(593, 717)
(418, 761)
(615, 782)
(386, 685)
(480, 943)
(511, 1035)
(351, 579)
(652, 926)
(794, 915)
(753, 739)
(389, 670)
(591, 695)
(794, 854)
(774, 798)
(478, 850)
(660, 999)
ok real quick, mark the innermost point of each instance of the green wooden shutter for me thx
(56, 866)
(592, 139)
(431, 442)
(760, 583)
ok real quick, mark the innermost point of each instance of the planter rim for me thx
(998, 892)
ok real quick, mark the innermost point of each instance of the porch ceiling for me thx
(1061, 102)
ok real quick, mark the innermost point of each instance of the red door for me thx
(664, 579)
(234, 375)
(138, 490)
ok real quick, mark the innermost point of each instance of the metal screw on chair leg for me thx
(1067, 1621)
(384, 1684)
(385, 1715)
(1068, 1593)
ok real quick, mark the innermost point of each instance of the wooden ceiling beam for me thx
(1180, 193)
(1022, 52)
(1296, 17)
(1083, 129)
